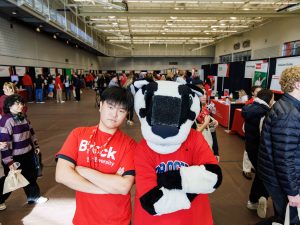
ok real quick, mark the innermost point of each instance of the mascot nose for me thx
(164, 131)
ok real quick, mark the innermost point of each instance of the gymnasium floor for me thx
(53, 122)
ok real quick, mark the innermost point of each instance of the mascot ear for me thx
(140, 83)
(198, 91)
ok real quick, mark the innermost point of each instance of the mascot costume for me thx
(175, 167)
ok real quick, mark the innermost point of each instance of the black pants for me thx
(27, 166)
(215, 145)
(258, 188)
(280, 202)
(77, 92)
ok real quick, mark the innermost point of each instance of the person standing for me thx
(59, 87)
(39, 85)
(67, 84)
(279, 155)
(20, 143)
(254, 114)
(28, 85)
(97, 162)
(77, 86)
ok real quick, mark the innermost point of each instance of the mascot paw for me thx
(171, 201)
(198, 180)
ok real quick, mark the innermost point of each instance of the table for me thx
(225, 112)
(238, 122)
(23, 94)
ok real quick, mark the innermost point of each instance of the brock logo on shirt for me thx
(104, 153)
(170, 165)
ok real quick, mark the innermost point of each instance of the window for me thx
(291, 48)
(225, 58)
(242, 56)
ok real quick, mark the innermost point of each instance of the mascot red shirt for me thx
(175, 167)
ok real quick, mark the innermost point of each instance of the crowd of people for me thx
(271, 143)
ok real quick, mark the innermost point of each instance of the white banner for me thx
(250, 68)
(59, 71)
(38, 71)
(223, 70)
(20, 70)
(4, 71)
(281, 65)
(52, 71)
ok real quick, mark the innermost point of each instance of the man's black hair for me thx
(253, 88)
(265, 95)
(118, 95)
(10, 101)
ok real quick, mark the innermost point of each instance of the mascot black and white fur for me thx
(175, 167)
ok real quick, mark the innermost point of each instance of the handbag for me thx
(287, 215)
(38, 164)
(14, 181)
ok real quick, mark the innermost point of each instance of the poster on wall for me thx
(52, 71)
(59, 71)
(250, 68)
(4, 71)
(260, 77)
(38, 70)
(281, 65)
(214, 82)
(223, 70)
(20, 70)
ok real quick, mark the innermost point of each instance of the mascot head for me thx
(166, 110)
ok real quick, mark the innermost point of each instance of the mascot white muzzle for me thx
(166, 110)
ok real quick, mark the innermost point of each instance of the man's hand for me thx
(294, 201)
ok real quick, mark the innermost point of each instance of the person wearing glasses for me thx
(97, 162)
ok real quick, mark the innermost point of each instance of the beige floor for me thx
(52, 123)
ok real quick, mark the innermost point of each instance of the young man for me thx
(279, 154)
(20, 141)
(97, 162)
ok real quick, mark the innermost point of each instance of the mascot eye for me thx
(190, 100)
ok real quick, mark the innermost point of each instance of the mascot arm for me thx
(194, 179)
(159, 201)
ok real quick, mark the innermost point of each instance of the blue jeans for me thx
(38, 95)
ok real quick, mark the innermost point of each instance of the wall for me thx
(23, 46)
(151, 63)
(158, 50)
(266, 41)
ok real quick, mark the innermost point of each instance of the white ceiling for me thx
(201, 22)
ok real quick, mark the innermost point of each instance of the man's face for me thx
(7, 91)
(16, 108)
(112, 115)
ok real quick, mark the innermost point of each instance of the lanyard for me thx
(94, 151)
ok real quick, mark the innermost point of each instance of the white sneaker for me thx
(41, 200)
(252, 206)
(62, 102)
(262, 207)
(2, 206)
(42, 102)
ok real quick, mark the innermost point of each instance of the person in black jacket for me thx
(254, 115)
(279, 155)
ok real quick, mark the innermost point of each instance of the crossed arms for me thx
(88, 180)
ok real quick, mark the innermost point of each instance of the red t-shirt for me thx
(194, 151)
(26, 80)
(89, 147)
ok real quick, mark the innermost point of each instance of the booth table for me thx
(238, 122)
(225, 112)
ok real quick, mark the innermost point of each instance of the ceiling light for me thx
(111, 17)
(14, 12)
(54, 36)
(38, 29)
(67, 42)
(233, 18)
(76, 46)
